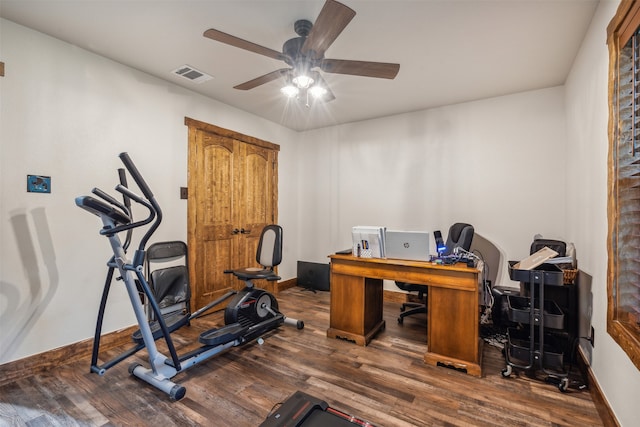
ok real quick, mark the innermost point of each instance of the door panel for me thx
(214, 240)
(257, 199)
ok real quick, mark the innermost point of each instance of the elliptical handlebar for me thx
(148, 194)
(123, 181)
(132, 225)
(133, 170)
(130, 194)
(105, 196)
(122, 176)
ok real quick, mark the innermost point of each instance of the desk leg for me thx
(356, 308)
(453, 330)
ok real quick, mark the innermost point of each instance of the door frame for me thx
(194, 126)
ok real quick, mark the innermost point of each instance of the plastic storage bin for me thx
(520, 349)
(549, 274)
(520, 312)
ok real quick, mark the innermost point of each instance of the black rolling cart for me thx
(536, 345)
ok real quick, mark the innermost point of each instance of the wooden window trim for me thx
(621, 28)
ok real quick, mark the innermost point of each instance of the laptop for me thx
(410, 245)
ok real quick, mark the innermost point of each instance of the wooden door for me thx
(232, 196)
(256, 202)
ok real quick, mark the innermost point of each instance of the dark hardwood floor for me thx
(385, 383)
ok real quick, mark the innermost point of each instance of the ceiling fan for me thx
(305, 53)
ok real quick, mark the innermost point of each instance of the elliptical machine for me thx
(250, 314)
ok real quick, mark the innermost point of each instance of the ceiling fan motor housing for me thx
(292, 47)
(302, 27)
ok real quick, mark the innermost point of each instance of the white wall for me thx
(497, 164)
(67, 113)
(586, 219)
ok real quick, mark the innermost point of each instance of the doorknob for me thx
(235, 231)
(243, 231)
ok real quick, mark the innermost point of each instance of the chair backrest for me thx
(170, 285)
(269, 253)
(166, 251)
(460, 235)
(557, 245)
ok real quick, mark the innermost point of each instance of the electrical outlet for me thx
(593, 337)
(184, 194)
(38, 184)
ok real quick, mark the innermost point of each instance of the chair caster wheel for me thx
(563, 386)
(400, 320)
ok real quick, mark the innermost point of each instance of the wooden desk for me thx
(452, 314)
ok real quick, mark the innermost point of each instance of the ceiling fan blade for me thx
(242, 44)
(263, 79)
(333, 18)
(381, 70)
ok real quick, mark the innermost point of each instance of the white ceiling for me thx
(449, 51)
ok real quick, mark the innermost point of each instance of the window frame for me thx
(624, 24)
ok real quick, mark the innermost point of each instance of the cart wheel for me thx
(563, 386)
(506, 372)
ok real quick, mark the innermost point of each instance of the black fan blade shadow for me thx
(333, 18)
(381, 70)
(243, 44)
(263, 79)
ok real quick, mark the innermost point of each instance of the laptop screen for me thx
(410, 245)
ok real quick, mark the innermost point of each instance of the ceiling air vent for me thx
(190, 73)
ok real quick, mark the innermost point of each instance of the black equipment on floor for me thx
(500, 309)
(314, 276)
(301, 409)
(252, 313)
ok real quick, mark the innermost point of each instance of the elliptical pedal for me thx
(223, 335)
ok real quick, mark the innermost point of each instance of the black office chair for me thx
(460, 235)
(557, 245)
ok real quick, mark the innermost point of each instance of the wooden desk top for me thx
(455, 276)
(405, 263)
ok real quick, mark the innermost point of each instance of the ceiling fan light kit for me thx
(303, 81)
(290, 91)
(306, 52)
